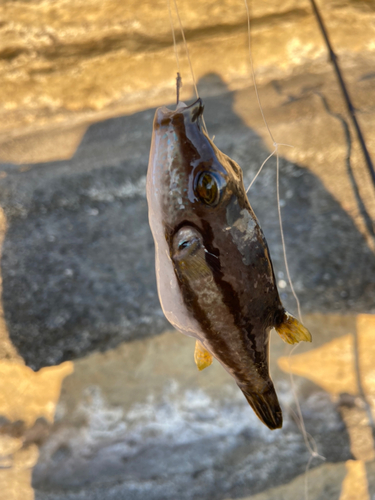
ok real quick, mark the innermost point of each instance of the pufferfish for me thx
(214, 272)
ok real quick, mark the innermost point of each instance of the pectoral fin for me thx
(292, 331)
(202, 357)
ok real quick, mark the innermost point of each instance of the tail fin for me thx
(292, 331)
(266, 406)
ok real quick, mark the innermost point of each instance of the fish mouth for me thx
(191, 112)
(266, 406)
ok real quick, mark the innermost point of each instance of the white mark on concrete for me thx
(282, 284)
(127, 190)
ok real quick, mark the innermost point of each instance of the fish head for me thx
(190, 178)
(203, 225)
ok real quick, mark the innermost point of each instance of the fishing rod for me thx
(345, 92)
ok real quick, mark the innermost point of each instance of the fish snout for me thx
(163, 117)
(188, 114)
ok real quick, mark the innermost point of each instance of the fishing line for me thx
(282, 235)
(253, 73)
(309, 440)
(174, 38)
(259, 171)
(265, 161)
(275, 151)
(186, 50)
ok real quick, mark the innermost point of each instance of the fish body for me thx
(214, 272)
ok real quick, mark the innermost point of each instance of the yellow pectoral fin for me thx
(202, 357)
(292, 331)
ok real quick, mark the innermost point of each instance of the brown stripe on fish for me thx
(191, 299)
(222, 316)
(195, 268)
(188, 151)
(225, 339)
(231, 299)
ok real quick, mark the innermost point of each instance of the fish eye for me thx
(183, 244)
(186, 242)
(208, 189)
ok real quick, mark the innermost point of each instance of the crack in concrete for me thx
(370, 225)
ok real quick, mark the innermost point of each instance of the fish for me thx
(214, 272)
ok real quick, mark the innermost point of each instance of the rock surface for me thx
(78, 256)
(76, 62)
(176, 432)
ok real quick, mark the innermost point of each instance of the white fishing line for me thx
(253, 73)
(309, 440)
(275, 151)
(174, 37)
(282, 235)
(265, 161)
(259, 171)
(186, 50)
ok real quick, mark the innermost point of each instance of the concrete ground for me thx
(99, 397)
